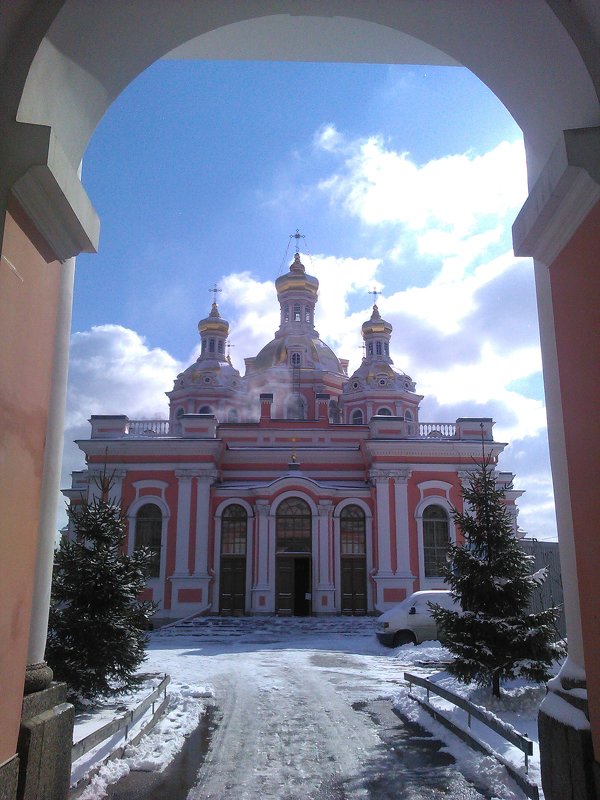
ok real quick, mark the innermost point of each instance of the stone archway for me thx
(64, 63)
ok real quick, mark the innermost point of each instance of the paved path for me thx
(298, 725)
(302, 711)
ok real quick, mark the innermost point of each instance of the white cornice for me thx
(564, 194)
(56, 202)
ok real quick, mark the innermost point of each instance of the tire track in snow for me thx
(285, 734)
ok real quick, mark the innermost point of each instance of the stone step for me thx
(221, 628)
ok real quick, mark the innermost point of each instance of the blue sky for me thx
(402, 177)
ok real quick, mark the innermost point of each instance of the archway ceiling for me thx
(94, 50)
(332, 39)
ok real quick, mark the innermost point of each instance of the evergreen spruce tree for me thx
(96, 637)
(494, 637)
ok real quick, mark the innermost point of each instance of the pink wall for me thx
(27, 332)
(575, 282)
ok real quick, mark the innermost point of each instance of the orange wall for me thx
(27, 326)
(575, 282)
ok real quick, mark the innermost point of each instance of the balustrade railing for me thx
(163, 427)
(148, 427)
(437, 430)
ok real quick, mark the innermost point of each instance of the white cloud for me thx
(454, 192)
(112, 371)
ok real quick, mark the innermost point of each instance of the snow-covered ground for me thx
(300, 716)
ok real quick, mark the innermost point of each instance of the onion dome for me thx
(214, 324)
(376, 325)
(297, 281)
(213, 367)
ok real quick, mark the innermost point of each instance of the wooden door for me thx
(232, 586)
(285, 585)
(354, 585)
(293, 586)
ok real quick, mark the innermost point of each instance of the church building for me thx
(293, 489)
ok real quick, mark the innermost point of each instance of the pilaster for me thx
(191, 590)
(324, 601)
(401, 478)
(392, 587)
(262, 592)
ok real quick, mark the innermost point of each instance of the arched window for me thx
(352, 531)
(384, 412)
(408, 415)
(232, 415)
(357, 417)
(370, 348)
(211, 346)
(307, 314)
(386, 348)
(148, 533)
(378, 348)
(293, 526)
(180, 413)
(220, 345)
(233, 531)
(435, 541)
(203, 345)
(297, 313)
(286, 313)
(296, 359)
(205, 410)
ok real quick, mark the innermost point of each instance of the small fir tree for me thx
(494, 637)
(96, 636)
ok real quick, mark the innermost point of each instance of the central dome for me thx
(311, 353)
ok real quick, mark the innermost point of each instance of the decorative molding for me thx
(56, 202)
(564, 194)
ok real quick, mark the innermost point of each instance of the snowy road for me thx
(305, 721)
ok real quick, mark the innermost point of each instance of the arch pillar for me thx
(559, 226)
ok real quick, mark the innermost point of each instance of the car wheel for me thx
(403, 637)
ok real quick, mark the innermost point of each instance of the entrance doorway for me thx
(232, 578)
(293, 585)
(293, 571)
(353, 561)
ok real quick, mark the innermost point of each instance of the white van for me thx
(411, 620)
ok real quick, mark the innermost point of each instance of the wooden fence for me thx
(126, 721)
(523, 743)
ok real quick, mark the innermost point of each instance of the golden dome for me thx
(376, 324)
(214, 323)
(297, 279)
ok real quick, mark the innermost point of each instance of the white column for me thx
(262, 509)
(205, 480)
(182, 545)
(323, 537)
(401, 523)
(382, 497)
(38, 629)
